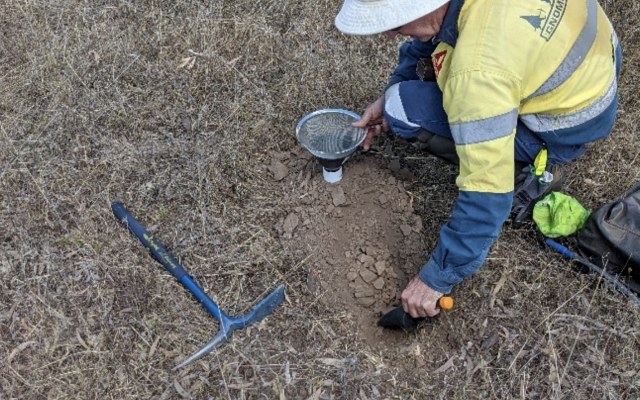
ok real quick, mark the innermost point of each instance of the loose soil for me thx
(362, 239)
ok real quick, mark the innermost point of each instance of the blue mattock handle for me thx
(169, 263)
(594, 268)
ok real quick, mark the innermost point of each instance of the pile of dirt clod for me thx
(361, 238)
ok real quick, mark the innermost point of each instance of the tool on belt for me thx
(532, 184)
(227, 324)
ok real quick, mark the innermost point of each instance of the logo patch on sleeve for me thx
(438, 60)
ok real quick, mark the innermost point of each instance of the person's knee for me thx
(396, 115)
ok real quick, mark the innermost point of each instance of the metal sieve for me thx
(328, 133)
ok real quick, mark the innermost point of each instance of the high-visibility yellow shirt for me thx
(546, 63)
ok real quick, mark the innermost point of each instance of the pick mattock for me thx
(227, 324)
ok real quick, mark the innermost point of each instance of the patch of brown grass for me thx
(176, 108)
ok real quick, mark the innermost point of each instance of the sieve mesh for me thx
(328, 133)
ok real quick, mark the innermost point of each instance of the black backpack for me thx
(611, 238)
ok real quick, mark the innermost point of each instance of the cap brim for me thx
(362, 17)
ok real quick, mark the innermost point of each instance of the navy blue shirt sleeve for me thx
(409, 55)
(466, 239)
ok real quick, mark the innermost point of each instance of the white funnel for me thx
(329, 136)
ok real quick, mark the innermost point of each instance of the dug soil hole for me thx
(361, 240)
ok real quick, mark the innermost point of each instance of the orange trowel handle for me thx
(399, 319)
(445, 302)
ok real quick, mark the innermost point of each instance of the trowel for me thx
(400, 319)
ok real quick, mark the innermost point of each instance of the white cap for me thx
(332, 176)
(368, 17)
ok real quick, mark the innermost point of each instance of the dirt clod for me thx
(367, 275)
(338, 196)
(378, 283)
(278, 169)
(406, 229)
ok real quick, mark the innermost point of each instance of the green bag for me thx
(559, 215)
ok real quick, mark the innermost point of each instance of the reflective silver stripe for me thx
(576, 55)
(614, 42)
(485, 129)
(394, 107)
(546, 123)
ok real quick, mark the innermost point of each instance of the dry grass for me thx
(175, 108)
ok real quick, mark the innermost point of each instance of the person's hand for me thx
(419, 300)
(372, 121)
